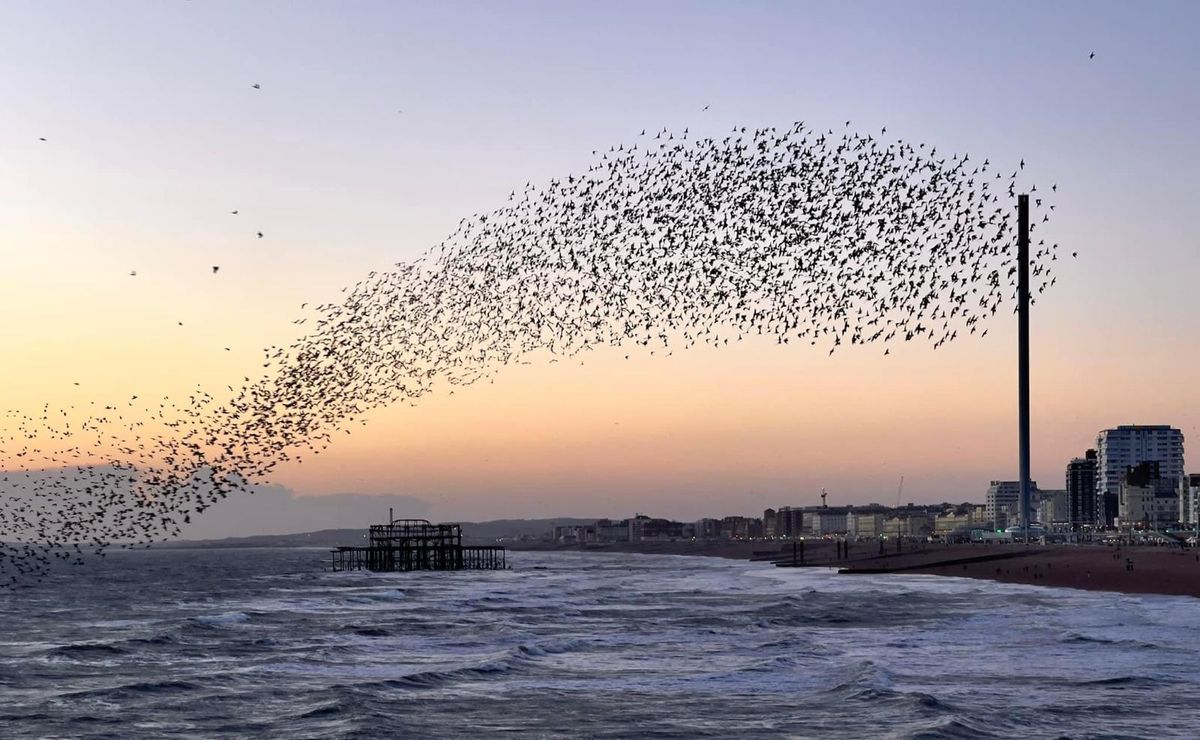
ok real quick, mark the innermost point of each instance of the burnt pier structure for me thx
(417, 544)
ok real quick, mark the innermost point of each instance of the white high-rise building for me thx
(1119, 449)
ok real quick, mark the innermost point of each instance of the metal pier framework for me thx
(417, 544)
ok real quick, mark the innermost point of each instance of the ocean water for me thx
(243, 643)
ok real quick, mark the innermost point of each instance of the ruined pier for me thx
(417, 544)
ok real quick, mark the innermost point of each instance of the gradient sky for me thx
(380, 124)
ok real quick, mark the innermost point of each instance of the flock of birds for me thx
(830, 238)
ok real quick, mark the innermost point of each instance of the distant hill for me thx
(473, 533)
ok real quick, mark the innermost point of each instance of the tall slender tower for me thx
(1023, 356)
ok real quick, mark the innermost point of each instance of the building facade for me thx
(768, 521)
(1126, 446)
(1052, 507)
(1189, 501)
(829, 521)
(1081, 490)
(1004, 500)
(908, 524)
(1147, 499)
(868, 524)
(789, 522)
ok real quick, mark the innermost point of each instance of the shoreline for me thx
(1126, 569)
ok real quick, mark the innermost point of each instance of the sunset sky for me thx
(380, 124)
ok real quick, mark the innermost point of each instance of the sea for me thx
(270, 643)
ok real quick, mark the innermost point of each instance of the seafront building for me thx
(1146, 498)
(1081, 490)
(869, 521)
(768, 521)
(1189, 501)
(789, 522)
(1126, 446)
(1003, 499)
(868, 524)
(1133, 478)
(828, 521)
(1052, 507)
(908, 524)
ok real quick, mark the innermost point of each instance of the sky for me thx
(379, 125)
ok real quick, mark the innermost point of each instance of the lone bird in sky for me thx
(1092, 55)
(215, 268)
(256, 86)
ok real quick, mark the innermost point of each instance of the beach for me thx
(1132, 570)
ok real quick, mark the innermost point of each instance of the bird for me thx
(215, 268)
(234, 212)
(41, 138)
(705, 108)
(256, 86)
(133, 273)
(260, 235)
(1092, 55)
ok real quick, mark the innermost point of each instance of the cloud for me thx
(277, 509)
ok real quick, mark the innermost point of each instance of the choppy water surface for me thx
(244, 643)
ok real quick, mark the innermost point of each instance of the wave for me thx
(951, 728)
(1123, 681)
(497, 667)
(329, 710)
(85, 650)
(164, 639)
(438, 678)
(1078, 639)
(168, 686)
(216, 620)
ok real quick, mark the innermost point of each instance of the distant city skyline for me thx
(378, 126)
